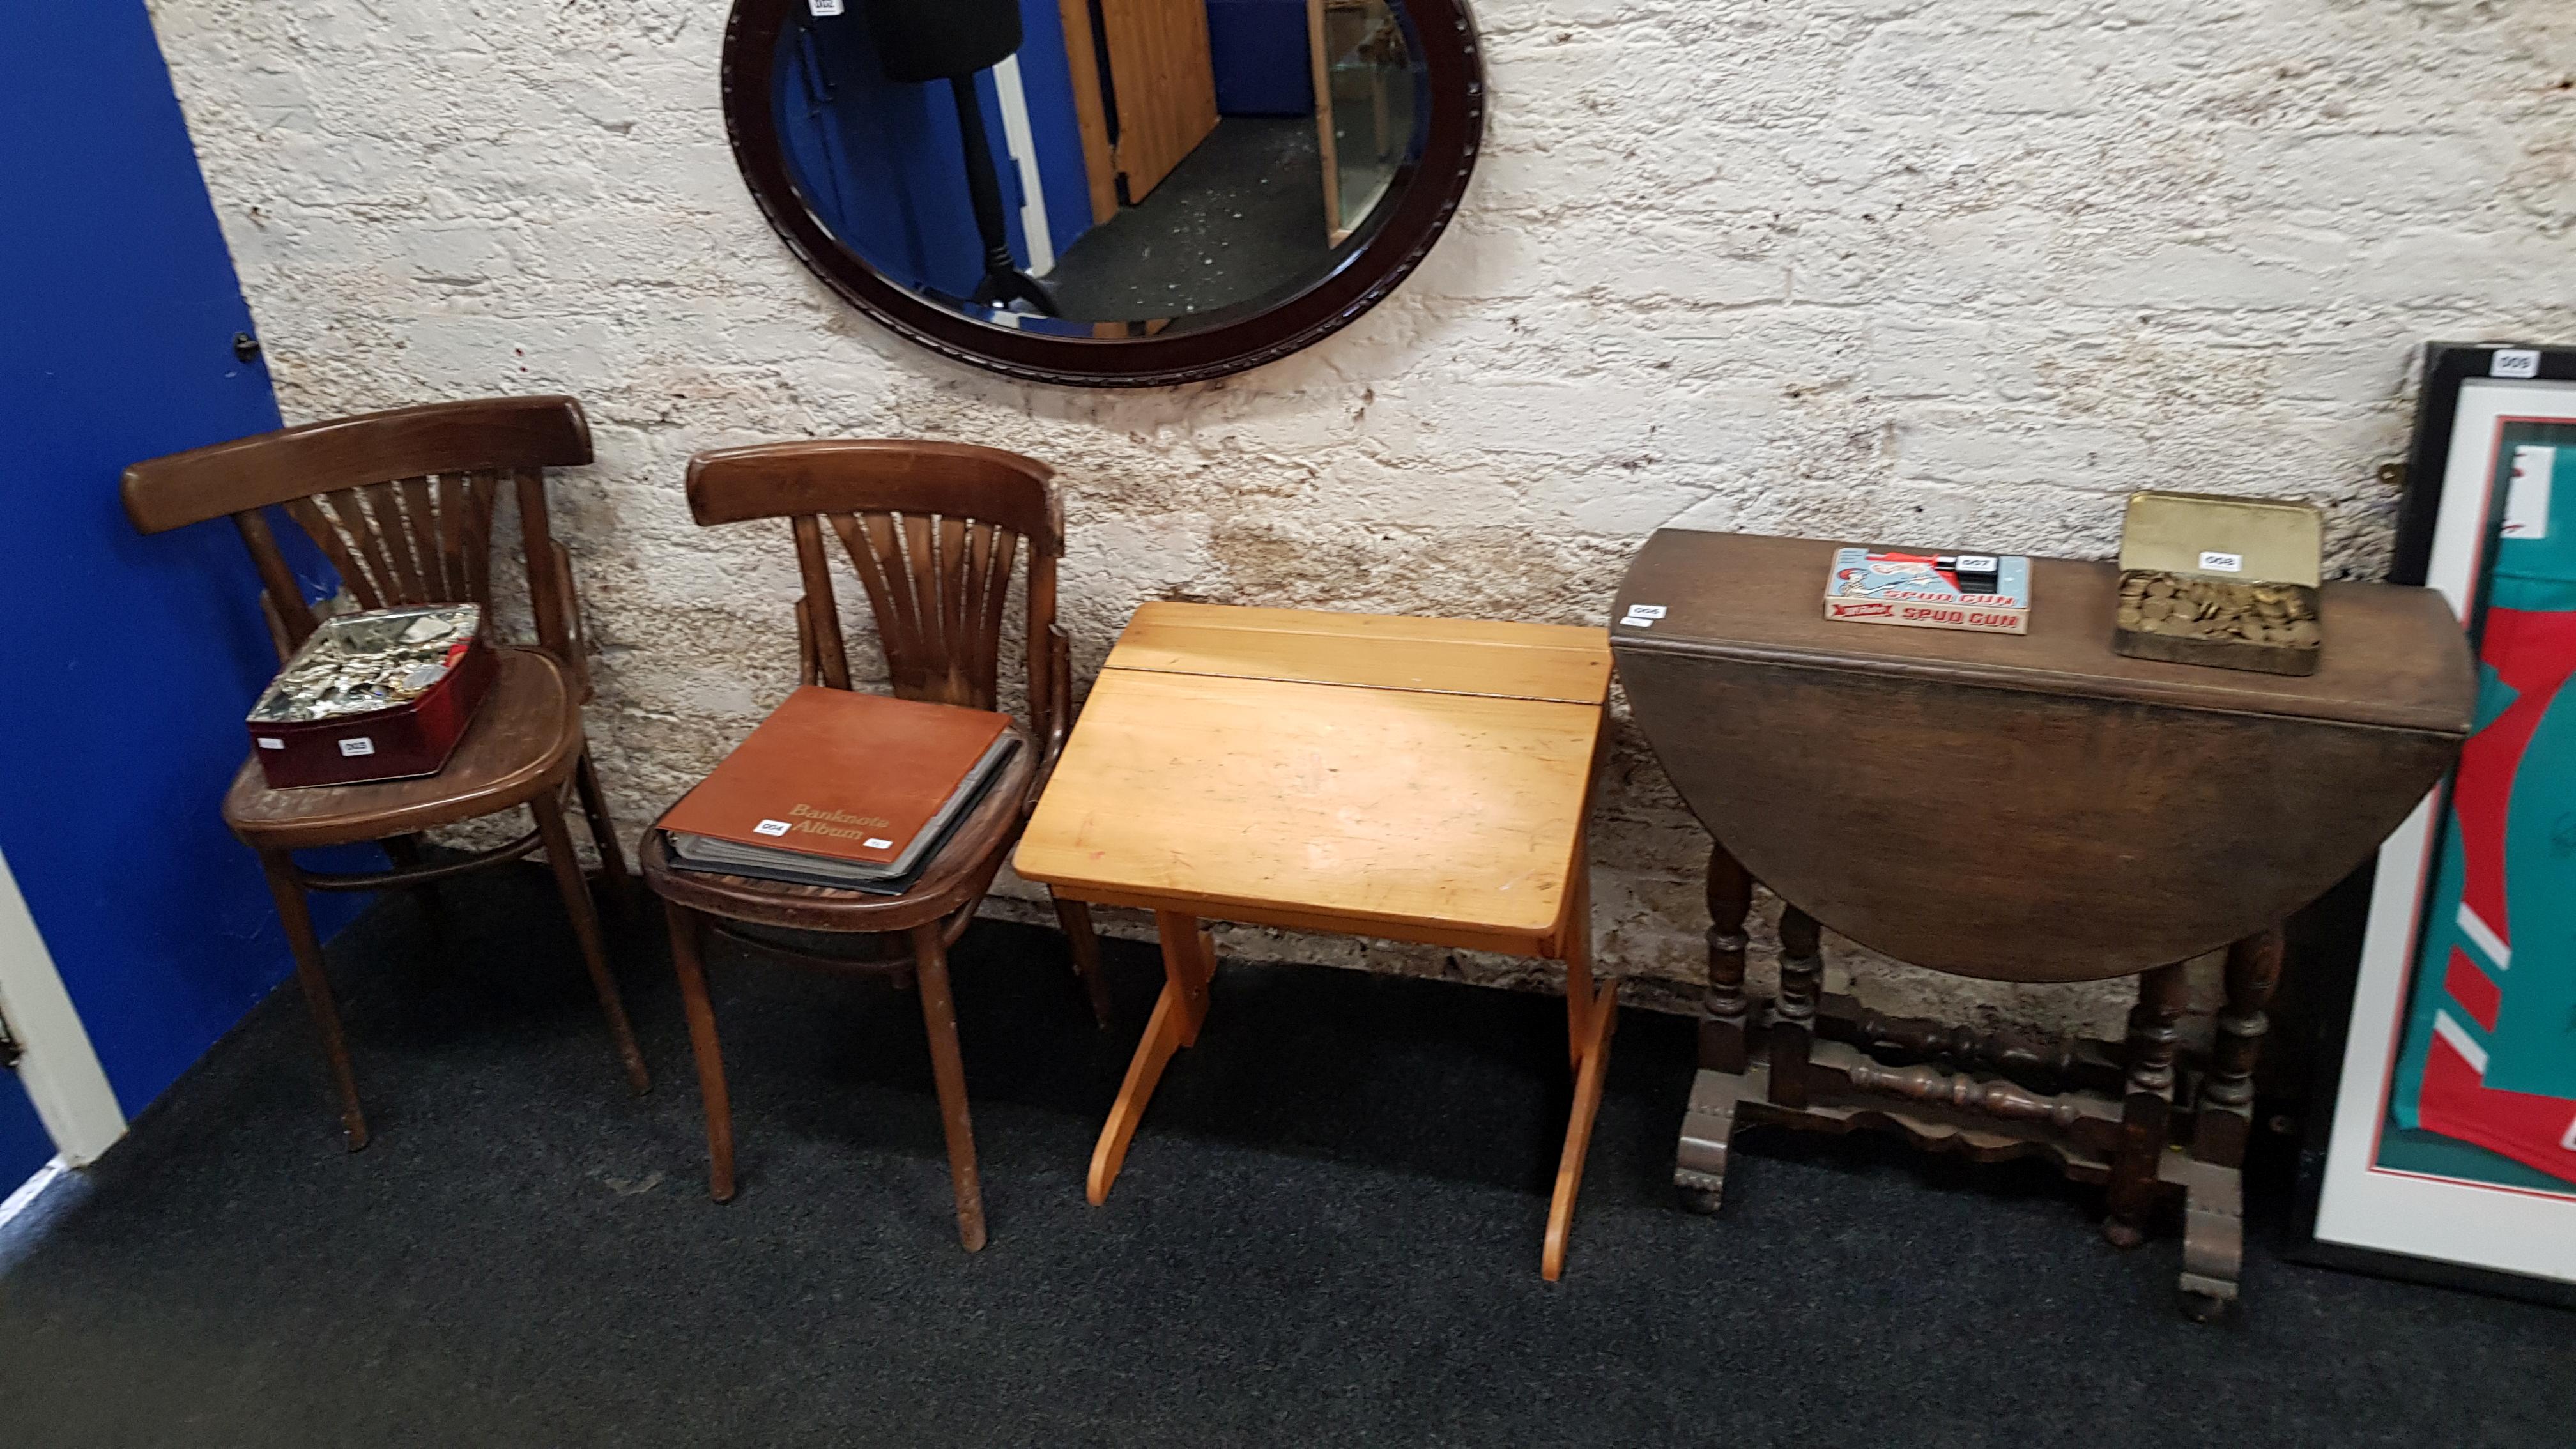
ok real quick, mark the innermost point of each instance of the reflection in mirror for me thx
(1364, 82)
(1099, 167)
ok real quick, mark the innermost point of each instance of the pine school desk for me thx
(1413, 779)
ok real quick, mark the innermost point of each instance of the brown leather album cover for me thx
(853, 777)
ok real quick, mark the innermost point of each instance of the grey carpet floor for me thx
(1327, 1233)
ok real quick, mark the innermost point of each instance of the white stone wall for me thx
(1936, 271)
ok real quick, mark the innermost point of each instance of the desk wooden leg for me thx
(1592, 1065)
(1575, 947)
(1075, 917)
(1189, 962)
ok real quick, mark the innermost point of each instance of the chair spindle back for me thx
(400, 502)
(933, 531)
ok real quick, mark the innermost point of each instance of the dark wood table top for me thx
(2031, 807)
(2393, 656)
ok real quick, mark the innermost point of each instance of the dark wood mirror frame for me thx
(1390, 244)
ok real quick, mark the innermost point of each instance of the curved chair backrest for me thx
(931, 529)
(400, 501)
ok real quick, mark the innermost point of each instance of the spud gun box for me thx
(1982, 592)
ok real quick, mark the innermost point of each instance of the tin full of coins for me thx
(381, 695)
(2198, 620)
(2226, 582)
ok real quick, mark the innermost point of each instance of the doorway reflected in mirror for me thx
(1099, 168)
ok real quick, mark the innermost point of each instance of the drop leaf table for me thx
(2028, 808)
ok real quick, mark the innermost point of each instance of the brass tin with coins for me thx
(2225, 582)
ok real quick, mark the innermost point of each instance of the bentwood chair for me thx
(401, 502)
(931, 530)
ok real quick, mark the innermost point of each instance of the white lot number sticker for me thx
(874, 843)
(271, 742)
(362, 745)
(824, 7)
(1643, 616)
(772, 827)
(2514, 362)
(2526, 496)
(2222, 563)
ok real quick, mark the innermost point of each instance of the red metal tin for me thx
(398, 742)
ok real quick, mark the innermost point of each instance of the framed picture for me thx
(2443, 1138)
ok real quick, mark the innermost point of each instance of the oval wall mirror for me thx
(1107, 192)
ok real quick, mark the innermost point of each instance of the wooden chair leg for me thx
(603, 829)
(1075, 917)
(948, 1069)
(585, 927)
(280, 869)
(405, 852)
(691, 969)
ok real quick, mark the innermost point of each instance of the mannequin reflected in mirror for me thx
(920, 41)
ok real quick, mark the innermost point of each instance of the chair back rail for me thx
(400, 502)
(933, 531)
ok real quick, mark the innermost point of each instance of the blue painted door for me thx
(126, 662)
(23, 1144)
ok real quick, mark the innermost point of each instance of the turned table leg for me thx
(2213, 1224)
(1724, 1013)
(1793, 1020)
(1725, 1047)
(2226, 1115)
(2155, 1033)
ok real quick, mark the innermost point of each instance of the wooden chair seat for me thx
(524, 740)
(952, 883)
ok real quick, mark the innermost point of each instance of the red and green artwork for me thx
(2486, 1083)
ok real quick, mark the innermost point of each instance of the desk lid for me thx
(2394, 656)
(1371, 651)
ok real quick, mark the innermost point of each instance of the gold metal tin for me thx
(2271, 542)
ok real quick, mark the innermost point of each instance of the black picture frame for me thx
(1423, 196)
(2334, 926)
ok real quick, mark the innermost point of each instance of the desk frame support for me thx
(1189, 966)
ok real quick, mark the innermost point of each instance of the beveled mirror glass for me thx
(1109, 192)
